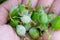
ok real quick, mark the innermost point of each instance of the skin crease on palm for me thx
(7, 32)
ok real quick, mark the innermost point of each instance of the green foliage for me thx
(14, 22)
(1, 1)
(56, 23)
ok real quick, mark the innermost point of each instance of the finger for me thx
(54, 36)
(55, 7)
(7, 33)
(45, 3)
(3, 15)
(33, 2)
(10, 3)
(3, 10)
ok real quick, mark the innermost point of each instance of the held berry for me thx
(20, 30)
(34, 33)
(26, 19)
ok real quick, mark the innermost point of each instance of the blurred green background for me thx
(1, 1)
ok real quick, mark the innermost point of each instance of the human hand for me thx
(5, 7)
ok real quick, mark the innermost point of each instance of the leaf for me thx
(14, 22)
(56, 23)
